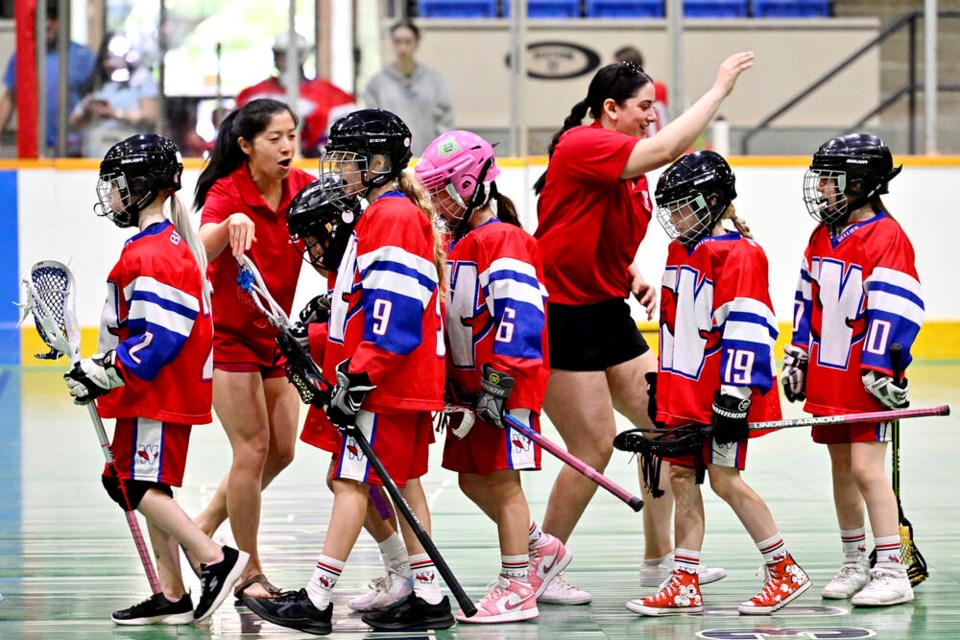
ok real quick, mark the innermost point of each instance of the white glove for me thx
(459, 421)
(793, 377)
(893, 395)
(93, 377)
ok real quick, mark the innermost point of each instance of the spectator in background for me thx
(80, 65)
(633, 56)
(321, 103)
(122, 99)
(413, 91)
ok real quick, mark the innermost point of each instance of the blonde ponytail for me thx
(412, 188)
(181, 222)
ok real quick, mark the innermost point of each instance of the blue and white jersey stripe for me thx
(749, 331)
(397, 287)
(515, 299)
(803, 307)
(160, 319)
(895, 312)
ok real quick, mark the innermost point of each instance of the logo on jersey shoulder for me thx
(175, 237)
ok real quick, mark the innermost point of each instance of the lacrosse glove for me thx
(93, 377)
(729, 418)
(893, 395)
(793, 377)
(496, 387)
(317, 310)
(348, 395)
(651, 377)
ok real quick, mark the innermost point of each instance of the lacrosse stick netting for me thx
(50, 299)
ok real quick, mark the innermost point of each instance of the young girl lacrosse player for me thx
(858, 295)
(321, 219)
(245, 190)
(717, 330)
(496, 350)
(154, 371)
(385, 346)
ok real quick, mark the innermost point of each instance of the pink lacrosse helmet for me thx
(454, 169)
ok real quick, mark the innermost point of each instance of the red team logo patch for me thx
(147, 454)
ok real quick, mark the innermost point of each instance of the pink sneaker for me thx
(547, 560)
(508, 601)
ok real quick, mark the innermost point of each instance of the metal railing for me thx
(909, 89)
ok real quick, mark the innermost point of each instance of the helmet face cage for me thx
(348, 168)
(823, 195)
(323, 218)
(687, 219)
(367, 148)
(116, 202)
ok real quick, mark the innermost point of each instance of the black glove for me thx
(729, 418)
(317, 310)
(651, 377)
(347, 395)
(93, 377)
(496, 387)
(299, 332)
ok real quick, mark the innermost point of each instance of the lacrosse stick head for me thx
(50, 299)
(251, 282)
(652, 446)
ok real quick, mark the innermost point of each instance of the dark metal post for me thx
(912, 81)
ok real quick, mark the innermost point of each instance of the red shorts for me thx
(856, 432)
(732, 455)
(486, 448)
(400, 440)
(320, 432)
(232, 355)
(150, 450)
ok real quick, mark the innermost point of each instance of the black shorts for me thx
(592, 337)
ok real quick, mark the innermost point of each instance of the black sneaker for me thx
(293, 609)
(216, 581)
(157, 610)
(412, 613)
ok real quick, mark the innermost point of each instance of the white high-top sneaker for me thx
(888, 585)
(854, 576)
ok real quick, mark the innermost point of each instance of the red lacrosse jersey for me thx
(156, 319)
(321, 104)
(385, 312)
(242, 331)
(591, 221)
(858, 294)
(496, 313)
(717, 329)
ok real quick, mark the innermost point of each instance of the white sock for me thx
(393, 553)
(888, 549)
(854, 543)
(773, 549)
(686, 560)
(425, 582)
(323, 580)
(536, 534)
(655, 562)
(515, 566)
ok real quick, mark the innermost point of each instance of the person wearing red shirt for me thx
(245, 191)
(593, 210)
(717, 330)
(321, 103)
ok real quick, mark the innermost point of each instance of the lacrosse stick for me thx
(50, 294)
(252, 283)
(910, 556)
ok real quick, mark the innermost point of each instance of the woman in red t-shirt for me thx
(593, 210)
(245, 191)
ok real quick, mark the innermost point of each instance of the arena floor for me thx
(67, 560)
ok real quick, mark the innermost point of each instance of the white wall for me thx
(57, 222)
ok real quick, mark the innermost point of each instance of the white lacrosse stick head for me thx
(51, 300)
(250, 280)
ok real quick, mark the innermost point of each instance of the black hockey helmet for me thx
(323, 217)
(133, 173)
(369, 147)
(861, 166)
(692, 195)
